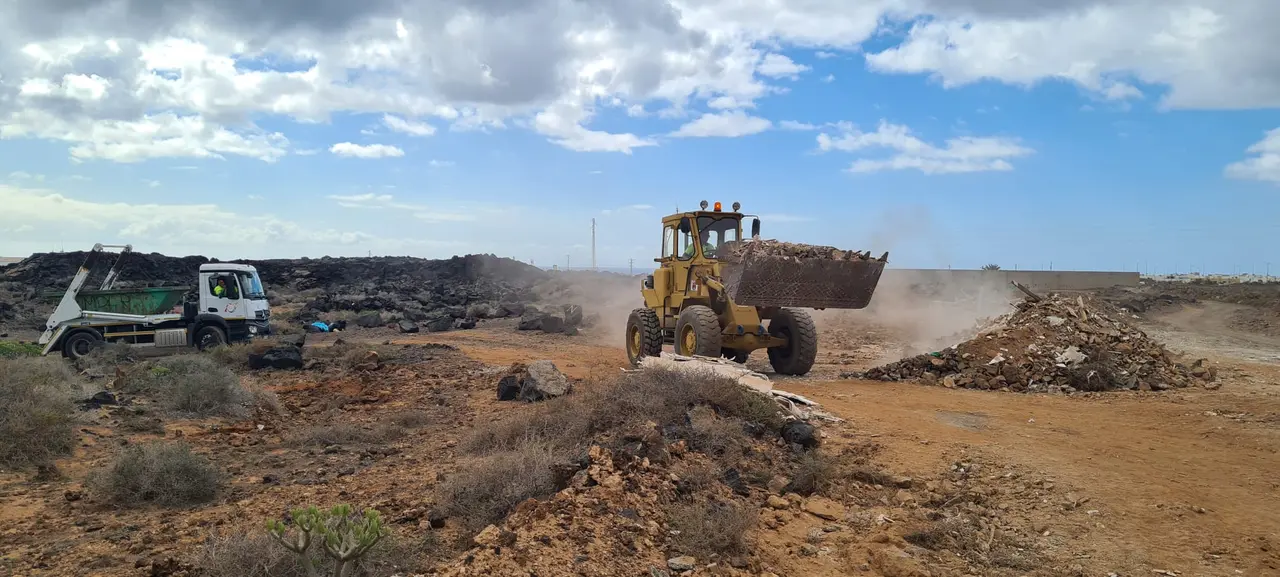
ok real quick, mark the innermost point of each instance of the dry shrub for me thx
(812, 472)
(351, 354)
(408, 419)
(664, 397)
(191, 384)
(37, 418)
(160, 473)
(976, 540)
(710, 528)
(720, 438)
(265, 401)
(105, 357)
(234, 355)
(488, 489)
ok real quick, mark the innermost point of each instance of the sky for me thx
(1071, 134)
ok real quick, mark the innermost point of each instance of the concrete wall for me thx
(1045, 280)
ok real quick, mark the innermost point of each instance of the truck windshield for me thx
(714, 231)
(252, 285)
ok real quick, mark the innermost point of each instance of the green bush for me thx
(160, 473)
(15, 349)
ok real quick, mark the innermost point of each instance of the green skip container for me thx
(141, 301)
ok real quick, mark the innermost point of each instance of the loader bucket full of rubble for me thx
(1058, 344)
(771, 273)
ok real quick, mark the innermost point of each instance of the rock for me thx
(408, 326)
(438, 323)
(776, 502)
(509, 388)
(465, 324)
(894, 562)
(99, 399)
(511, 310)
(552, 324)
(824, 508)
(542, 380)
(436, 518)
(370, 320)
(682, 563)
(285, 357)
(800, 433)
(531, 322)
(572, 315)
(777, 484)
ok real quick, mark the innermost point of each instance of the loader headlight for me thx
(737, 206)
(703, 205)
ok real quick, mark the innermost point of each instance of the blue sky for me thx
(1076, 173)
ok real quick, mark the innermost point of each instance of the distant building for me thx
(8, 260)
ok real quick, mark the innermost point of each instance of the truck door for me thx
(225, 303)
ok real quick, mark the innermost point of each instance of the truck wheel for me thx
(209, 337)
(644, 335)
(797, 356)
(698, 332)
(79, 344)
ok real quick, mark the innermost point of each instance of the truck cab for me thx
(234, 293)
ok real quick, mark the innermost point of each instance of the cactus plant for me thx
(341, 534)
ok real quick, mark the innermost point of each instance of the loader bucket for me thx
(773, 281)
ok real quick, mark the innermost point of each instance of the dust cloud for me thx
(606, 298)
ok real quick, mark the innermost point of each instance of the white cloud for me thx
(793, 125)
(307, 152)
(386, 201)
(1264, 160)
(23, 175)
(352, 150)
(731, 124)
(957, 155)
(779, 66)
(441, 163)
(151, 183)
(829, 78)
(408, 126)
(824, 55)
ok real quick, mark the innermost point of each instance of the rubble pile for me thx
(739, 251)
(1055, 344)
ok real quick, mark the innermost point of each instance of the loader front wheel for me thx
(797, 356)
(698, 332)
(644, 335)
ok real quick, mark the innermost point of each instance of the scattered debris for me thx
(534, 382)
(1053, 344)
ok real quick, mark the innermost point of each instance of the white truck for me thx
(228, 305)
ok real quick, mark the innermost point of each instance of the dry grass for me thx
(488, 489)
(710, 528)
(193, 384)
(234, 355)
(160, 473)
(812, 473)
(37, 418)
(976, 540)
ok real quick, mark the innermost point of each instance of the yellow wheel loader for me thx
(707, 299)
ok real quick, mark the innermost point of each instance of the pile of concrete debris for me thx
(1056, 344)
(745, 250)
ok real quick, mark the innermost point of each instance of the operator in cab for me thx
(220, 290)
(708, 249)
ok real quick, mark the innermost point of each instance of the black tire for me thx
(797, 356)
(79, 344)
(644, 335)
(698, 325)
(210, 337)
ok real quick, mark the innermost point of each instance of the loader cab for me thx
(690, 240)
(234, 293)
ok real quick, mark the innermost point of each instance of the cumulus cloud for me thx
(956, 155)
(365, 150)
(1263, 162)
(731, 124)
(408, 126)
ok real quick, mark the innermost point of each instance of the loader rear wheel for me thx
(797, 356)
(644, 335)
(698, 332)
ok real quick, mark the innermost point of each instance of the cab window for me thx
(230, 288)
(669, 242)
(687, 246)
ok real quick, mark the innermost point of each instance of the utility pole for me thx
(593, 244)
(566, 262)
(631, 266)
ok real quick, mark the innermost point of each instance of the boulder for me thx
(572, 315)
(800, 433)
(438, 323)
(464, 324)
(286, 357)
(509, 388)
(370, 320)
(531, 322)
(510, 310)
(542, 380)
(552, 324)
(408, 326)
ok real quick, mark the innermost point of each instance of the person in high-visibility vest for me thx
(220, 290)
(708, 250)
